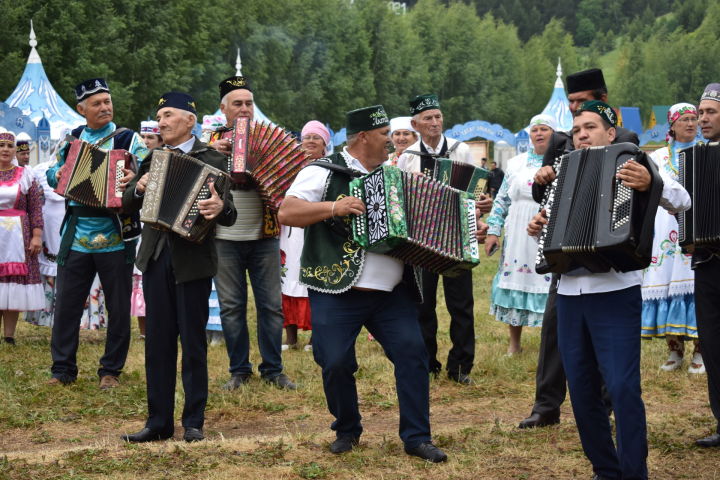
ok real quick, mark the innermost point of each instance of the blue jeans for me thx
(391, 317)
(599, 339)
(260, 259)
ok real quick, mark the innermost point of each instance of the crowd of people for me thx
(308, 273)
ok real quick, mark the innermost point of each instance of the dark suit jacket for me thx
(561, 143)
(191, 261)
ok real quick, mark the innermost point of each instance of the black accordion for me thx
(417, 220)
(699, 173)
(461, 175)
(594, 221)
(176, 183)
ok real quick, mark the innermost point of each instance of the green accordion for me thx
(417, 220)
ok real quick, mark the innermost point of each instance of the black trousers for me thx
(175, 309)
(460, 303)
(550, 382)
(707, 312)
(74, 280)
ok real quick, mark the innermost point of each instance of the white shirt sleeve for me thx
(674, 197)
(309, 185)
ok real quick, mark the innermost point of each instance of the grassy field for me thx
(72, 433)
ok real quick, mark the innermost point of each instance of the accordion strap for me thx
(352, 173)
(118, 131)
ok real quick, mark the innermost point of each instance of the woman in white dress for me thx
(668, 283)
(519, 294)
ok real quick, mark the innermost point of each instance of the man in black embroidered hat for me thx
(251, 248)
(350, 288)
(22, 153)
(706, 264)
(550, 381)
(428, 121)
(177, 279)
(94, 242)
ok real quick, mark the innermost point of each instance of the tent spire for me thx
(34, 57)
(558, 72)
(238, 64)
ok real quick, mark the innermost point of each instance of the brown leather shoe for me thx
(109, 381)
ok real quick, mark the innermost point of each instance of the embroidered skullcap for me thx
(543, 119)
(601, 108)
(586, 80)
(421, 103)
(150, 126)
(401, 123)
(233, 83)
(6, 135)
(90, 87)
(179, 100)
(711, 92)
(367, 118)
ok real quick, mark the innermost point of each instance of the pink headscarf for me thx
(313, 126)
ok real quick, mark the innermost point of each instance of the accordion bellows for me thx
(92, 175)
(269, 155)
(417, 220)
(176, 183)
(699, 174)
(461, 175)
(594, 221)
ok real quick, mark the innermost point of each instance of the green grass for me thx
(259, 431)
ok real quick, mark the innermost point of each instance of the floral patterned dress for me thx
(669, 282)
(518, 294)
(21, 202)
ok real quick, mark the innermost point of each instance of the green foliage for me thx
(316, 59)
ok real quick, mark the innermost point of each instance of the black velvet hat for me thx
(233, 83)
(586, 80)
(179, 100)
(90, 87)
(421, 103)
(368, 118)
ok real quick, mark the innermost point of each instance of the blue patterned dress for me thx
(518, 294)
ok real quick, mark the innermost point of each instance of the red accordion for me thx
(92, 175)
(267, 154)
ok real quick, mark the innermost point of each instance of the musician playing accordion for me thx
(350, 288)
(177, 277)
(599, 326)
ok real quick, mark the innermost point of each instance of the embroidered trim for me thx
(17, 174)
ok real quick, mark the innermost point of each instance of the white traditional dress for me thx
(668, 283)
(518, 294)
(21, 202)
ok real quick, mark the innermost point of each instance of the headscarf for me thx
(317, 128)
(543, 119)
(675, 112)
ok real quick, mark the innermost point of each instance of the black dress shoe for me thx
(145, 435)
(193, 434)
(427, 451)
(536, 420)
(711, 441)
(344, 444)
(461, 378)
(282, 381)
(237, 380)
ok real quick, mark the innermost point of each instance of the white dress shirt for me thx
(410, 162)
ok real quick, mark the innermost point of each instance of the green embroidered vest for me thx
(331, 263)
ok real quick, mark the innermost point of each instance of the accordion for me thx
(461, 175)
(417, 220)
(176, 183)
(92, 175)
(266, 153)
(594, 221)
(699, 173)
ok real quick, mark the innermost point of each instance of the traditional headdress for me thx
(601, 108)
(233, 83)
(90, 87)
(586, 80)
(179, 100)
(368, 118)
(542, 119)
(421, 103)
(711, 92)
(6, 135)
(150, 126)
(401, 123)
(675, 112)
(317, 128)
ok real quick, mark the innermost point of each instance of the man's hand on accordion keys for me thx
(223, 145)
(635, 176)
(211, 207)
(484, 204)
(536, 224)
(544, 175)
(129, 175)
(141, 184)
(346, 206)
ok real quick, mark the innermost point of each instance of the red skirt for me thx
(296, 311)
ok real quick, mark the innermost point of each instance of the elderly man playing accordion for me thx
(599, 325)
(177, 276)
